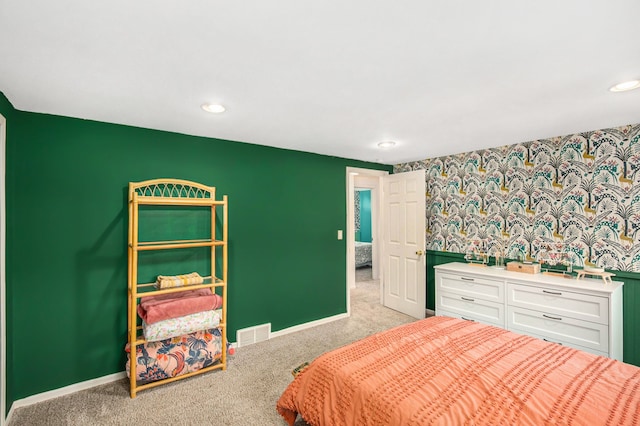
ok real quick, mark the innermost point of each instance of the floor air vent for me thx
(249, 336)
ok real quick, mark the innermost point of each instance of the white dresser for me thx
(584, 314)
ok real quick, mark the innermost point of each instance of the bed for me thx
(446, 371)
(363, 254)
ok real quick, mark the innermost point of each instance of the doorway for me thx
(363, 180)
(398, 258)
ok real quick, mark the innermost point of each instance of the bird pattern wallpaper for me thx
(576, 195)
(356, 205)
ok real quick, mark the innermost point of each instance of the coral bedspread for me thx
(448, 371)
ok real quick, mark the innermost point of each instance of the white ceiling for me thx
(330, 77)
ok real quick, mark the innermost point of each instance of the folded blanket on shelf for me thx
(174, 327)
(166, 306)
(176, 356)
(170, 281)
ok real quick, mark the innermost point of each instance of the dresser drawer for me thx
(564, 303)
(559, 328)
(472, 286)
(468, 317)
(563, 343)
(471, 308)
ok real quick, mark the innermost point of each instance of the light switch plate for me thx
(339, 234)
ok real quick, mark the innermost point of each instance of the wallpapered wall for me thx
(576, 194)
(356, 209)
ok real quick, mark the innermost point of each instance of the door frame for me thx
(376, 211)
(3, 256)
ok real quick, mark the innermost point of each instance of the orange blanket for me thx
(445, 371)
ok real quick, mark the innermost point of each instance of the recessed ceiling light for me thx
(627, 85)
(386, 144)
(214, 108)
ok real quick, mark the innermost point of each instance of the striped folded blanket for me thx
(174, 327)
(170, 281)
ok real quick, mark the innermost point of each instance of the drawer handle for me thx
(553, 318)
(467, 299)
(466, 279)
(551, 341)
(555, 293)
(468, 319)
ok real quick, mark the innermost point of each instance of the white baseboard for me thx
(430, 312)
(34, 399)
(308, 325)
(76, 387)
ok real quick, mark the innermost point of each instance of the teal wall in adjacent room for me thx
(365, 216)
(67, 234)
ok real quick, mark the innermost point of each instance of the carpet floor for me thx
(244, 394)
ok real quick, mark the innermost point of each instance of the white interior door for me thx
(404, 268)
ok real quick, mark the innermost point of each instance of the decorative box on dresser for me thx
(584, 314)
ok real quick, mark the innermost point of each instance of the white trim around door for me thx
(3, 293)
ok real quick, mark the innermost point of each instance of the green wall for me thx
(6, 109)
(631, 301)
(67, 232)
